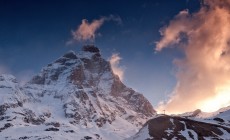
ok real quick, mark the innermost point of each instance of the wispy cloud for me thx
(115, 64)
(4, 69)
(204, 74)
(24, 76)
(87, 31)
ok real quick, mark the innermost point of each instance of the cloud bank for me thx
(203, 76)
(86, 31)
(115, 64)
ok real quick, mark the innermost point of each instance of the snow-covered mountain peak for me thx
(75, 67)
(78, 90)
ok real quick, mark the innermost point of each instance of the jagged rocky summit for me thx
(75, 97)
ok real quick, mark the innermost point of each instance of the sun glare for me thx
(219, 101)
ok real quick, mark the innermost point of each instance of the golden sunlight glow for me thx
(222, 99)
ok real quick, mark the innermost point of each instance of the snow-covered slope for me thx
(75, 97)
(196, 125)
(223, 113)
(165, 127)
(221, 116)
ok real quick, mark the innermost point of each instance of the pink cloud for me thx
(87, 31)
(115, 64)
(203, 76)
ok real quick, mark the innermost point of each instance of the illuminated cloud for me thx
(171, 35)
(204, 74)
(86, 31)
(117, 69)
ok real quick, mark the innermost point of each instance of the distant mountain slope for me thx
(75, 97)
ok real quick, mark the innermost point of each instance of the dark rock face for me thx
(30, 117)
(70, 55)
(7, 125)
(141, 104)
(55, 124)
(40, 80)
(100, 122)
(52, 129)
(24, 138)
(90, 48)
(78, 76)
(3, 109)
(88, 138)
(218, 119)
(158, 128)
(117, 87)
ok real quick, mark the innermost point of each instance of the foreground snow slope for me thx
(182, 128)
(196, 125)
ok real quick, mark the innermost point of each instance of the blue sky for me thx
(34, 33)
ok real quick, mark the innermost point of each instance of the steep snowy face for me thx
(10, 93)
(78, 91)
